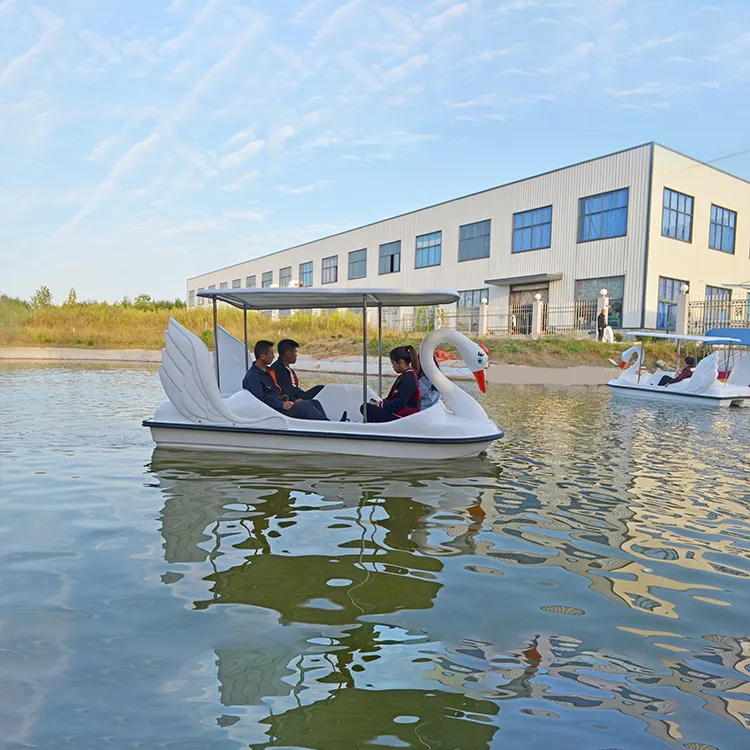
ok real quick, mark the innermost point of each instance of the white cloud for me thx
(578, 54)
(306, 11)
(247, 215)
(324, 141)
(239, 137)
(447, 17)
(484, 100)
(242, 181)
(400, 23)
(100, 45)
(199, 21)
(516, 5)
(192, 227)
(336, 21)
(195, 157)
(651, 44)
(411, 66)
(489, 55)
(17, 64)
(304, 189)
(410, 95)
(110, 183)
(243, 154)
(647, 88)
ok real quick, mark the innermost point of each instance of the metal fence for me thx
(515, 320)
(708, 314)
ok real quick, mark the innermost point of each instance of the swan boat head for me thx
(476, 360)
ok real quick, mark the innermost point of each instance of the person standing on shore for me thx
(601, 323)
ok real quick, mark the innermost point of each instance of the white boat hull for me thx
(660, 393)
(249, 440)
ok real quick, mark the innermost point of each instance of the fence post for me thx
(537, 316)
(682, 321)
(602, 303)
(484, 318)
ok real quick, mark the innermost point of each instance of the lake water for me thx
(586, 585)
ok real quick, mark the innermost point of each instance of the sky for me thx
(147, 141)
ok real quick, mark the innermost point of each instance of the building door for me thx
(520, 310)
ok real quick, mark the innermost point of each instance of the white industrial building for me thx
(640, 223)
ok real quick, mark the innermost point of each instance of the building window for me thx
(587, 294)
(677, 216)
(191, 298)
(358, 264)
(721, 235)
(603, 216)
(472, 298)
(212, 286)
(306, 273)
(267, 279)
(474, 241)
(718, 294)
(285, 277)
(236, 283)
(224, 285)
(429, 249)
(330, 271)
(666, 313)
(201, 300)
(390, 258)
(532, 230)
(250, 282)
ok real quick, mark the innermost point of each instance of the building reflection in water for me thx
(337, 553)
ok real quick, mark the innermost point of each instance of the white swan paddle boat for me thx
(207, 408)
(704, 387)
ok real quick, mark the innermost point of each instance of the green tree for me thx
(42, 297)
(72, 298)
(142, 302)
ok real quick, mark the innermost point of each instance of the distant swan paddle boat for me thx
(207, 409)
(705, 386)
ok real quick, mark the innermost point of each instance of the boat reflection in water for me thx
(400, 609)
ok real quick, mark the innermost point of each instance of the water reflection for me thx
(397, 599)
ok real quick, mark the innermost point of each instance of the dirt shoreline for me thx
(498, 374)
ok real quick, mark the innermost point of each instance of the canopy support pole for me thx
(364, 358)
(216, 345)
(380, 351)
(244, 320)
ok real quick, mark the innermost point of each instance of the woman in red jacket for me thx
(405, 396)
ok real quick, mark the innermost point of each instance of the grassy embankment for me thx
(106, 326)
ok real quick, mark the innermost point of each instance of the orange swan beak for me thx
(481, 382)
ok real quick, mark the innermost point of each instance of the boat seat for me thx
(704, 376)
(740, 375)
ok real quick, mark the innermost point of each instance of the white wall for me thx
(562, 189)
(695, 262)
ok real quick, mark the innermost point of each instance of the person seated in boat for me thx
(685, 373)
(260, 380)
(430, 394)
(286, 377)
(405, 396)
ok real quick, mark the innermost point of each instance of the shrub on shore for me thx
(140, 324)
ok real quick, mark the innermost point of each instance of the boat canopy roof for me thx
(677, 337)
(293, 298)
(738, 334)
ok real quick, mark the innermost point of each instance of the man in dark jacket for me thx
(260, 380)
(286, 377)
